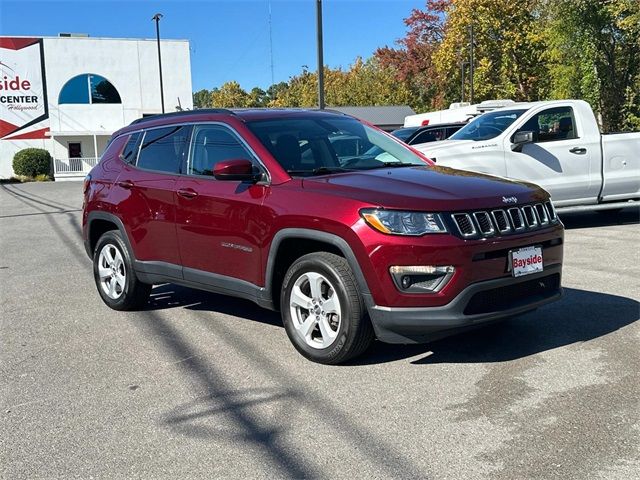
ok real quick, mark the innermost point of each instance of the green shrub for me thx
(32, 162)
(43, 177)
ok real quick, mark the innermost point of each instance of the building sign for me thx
(23, 95)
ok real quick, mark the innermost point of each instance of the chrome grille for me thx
(541, 211)
(551, 210)
(488, 223)
(530, 216)
(484, 223)
(517, 220)
(501, 220)
(465, 225)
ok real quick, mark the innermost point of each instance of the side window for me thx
(164, 148)
(452, 130)
(424, 137)
(552, 125)
(212, 144)
(130, 151)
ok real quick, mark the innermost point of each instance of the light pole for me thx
(157, 18)
(320, 59)
(471, 42)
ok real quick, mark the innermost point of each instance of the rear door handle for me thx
(125, 184)
(578, 150)
(188, 193)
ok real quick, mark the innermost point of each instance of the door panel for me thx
(559, 160)
(222, 225)
(147, 192)
(147, 201)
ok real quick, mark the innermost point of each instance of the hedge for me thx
(32, 162)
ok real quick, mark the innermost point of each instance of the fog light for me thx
(421, 278)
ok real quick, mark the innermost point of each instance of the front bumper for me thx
(479, 303)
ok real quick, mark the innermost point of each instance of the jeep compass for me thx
(349, 244)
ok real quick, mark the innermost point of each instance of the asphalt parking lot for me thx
(204, 386)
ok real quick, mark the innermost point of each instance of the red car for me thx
(257, 204)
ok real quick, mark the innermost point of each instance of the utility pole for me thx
(157, 18)
(320, 59)
(471, 64)
(462, 64)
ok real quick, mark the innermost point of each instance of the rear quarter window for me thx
(130, 152)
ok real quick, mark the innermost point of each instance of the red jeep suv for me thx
(374, 241)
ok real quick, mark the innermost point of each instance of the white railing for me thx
(74, 165)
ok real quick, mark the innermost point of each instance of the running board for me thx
(599, 206)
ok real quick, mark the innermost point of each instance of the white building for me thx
(69, 94)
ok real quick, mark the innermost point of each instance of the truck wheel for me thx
(115, 278)
(322, 310)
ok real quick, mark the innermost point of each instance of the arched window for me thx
(89, 88)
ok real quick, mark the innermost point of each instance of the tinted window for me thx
(89, 88)
(163, 149)
(130, 151)
(212, 144)
(308, 145)
(404, 133)
(452, 130)
(102, 91)
(75, 90)
(430, 135)
(551, 125)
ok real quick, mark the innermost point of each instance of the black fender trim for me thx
(330, 238)
(110, 217)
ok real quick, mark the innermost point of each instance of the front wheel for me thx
(322, 309)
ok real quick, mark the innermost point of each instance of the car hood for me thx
(433, 188)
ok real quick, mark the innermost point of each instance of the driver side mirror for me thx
(237, 169)
(520, 139)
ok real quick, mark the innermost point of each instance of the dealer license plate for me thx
(525, 261)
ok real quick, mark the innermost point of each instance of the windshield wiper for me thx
(324, 170)
(319, 171)
(397, 165)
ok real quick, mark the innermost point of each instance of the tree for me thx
(412, 61)
(508, 50)
(594, 55)
(230, 95)
(202, 99)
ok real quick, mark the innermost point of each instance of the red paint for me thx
(227, 227)
(17, 43)
(6, 128)
(34, 135)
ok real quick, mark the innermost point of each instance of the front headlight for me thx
(395, 222)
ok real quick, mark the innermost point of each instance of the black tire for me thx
(135, 294)
(354, 332)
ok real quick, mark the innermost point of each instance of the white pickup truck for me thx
(556, 144)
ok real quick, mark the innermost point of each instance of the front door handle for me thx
(578, 150)
(125, 184)
(187, 193)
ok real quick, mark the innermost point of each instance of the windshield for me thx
(487, 126)
(325, 144)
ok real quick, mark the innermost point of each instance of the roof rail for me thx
(183, 112)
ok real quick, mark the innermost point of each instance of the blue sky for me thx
(229, 39)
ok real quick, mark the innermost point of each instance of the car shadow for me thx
(602, 218)
(579, 317)
(169, 295)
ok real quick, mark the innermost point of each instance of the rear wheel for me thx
(322, 310)
(115, 278)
